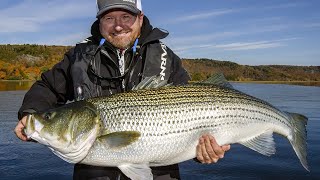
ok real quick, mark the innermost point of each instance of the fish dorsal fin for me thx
(151, 83)
(137, 171)
(264, 143)
(217, 79)
(119, 139)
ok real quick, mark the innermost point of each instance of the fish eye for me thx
(48, 115)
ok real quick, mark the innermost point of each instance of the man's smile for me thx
(123, 34)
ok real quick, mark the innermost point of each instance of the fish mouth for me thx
(28, 128)
(33, 128)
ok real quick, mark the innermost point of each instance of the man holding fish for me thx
(123, 50)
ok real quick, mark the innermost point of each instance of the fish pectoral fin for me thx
(264, 143)
(137, 171)
(119, 139)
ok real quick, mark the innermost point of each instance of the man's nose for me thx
(118, 24)
(118, 28)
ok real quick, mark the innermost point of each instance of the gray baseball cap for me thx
(133, 6)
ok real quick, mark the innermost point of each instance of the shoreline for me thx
(301, 83)
(15, 85)
(24, 80)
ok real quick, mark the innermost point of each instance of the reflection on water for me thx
(300, 83)
(15, 85)
(25, 85)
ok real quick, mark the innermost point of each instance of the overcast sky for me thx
(249, 32)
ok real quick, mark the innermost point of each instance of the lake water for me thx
(21, 160)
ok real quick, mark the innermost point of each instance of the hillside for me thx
(200, 69)
(27, 62)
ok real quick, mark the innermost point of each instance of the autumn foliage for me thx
(200, 69)
(27, 62)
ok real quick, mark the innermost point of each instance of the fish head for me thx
(69, 131)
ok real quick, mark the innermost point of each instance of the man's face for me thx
(121, 28)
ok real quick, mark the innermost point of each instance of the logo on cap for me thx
(132, 1)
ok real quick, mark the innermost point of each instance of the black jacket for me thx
(56, 86)
(91, 66)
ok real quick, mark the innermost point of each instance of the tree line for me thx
(201, 69)
(28, 61)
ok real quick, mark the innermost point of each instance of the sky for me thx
(248, 32)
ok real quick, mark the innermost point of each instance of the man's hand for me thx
(19, 129)
(208, 151)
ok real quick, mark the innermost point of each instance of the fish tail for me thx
(299, 137)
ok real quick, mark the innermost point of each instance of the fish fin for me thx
(119, 139)
(264, 143)
(298, 139)
(151, 83)
(137, 171)
(216, 79)
(104, 132)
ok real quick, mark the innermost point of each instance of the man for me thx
(123, 49)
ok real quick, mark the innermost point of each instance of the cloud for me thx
(203, 37)
(216, 13)
(249, 46)
(209, 37)
(198, 16)
(14, 24)
(67, 39)
(30, 15)
(238, 46)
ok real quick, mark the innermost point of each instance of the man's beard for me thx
(124, 42)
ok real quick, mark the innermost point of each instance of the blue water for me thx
(20, 160)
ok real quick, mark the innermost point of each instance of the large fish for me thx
(161, 126)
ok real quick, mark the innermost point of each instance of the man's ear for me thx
(100, 26)
(141, 15)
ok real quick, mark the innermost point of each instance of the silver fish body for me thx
(172, 119)
(157, 127)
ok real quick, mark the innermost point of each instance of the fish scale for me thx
(188, 111)
(157, 127)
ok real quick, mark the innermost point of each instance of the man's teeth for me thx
(120, 34)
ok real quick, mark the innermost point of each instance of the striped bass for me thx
(161, 126)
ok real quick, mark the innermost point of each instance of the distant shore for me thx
(15, 85)
(24, 80)
(301, 83)
(29, 61)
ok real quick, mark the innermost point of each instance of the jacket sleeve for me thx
(179, 75)
(54, 88)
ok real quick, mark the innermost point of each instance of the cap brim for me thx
(118, 6)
